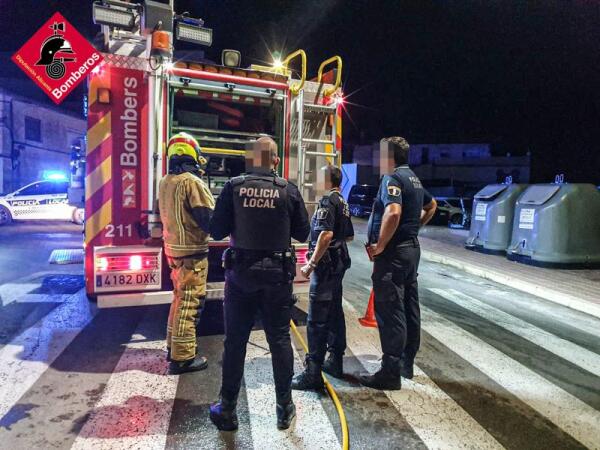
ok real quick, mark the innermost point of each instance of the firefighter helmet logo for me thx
(53, 52)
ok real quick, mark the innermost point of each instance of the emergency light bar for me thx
(194, 33)
(113, 17)
(51, 175)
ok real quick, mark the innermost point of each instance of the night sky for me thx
(523, 76)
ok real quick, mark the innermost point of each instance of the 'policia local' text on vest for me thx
(262, 217)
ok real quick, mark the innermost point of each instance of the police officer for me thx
(330, 229)
(260, 212)
(186, 205)
(402, 206)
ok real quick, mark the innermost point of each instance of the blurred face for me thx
(386, 158)
(259, 156)
(324, 184)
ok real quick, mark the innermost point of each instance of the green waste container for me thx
(557, 225)
(492, 217)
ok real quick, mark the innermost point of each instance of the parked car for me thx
(450, 212)
(360, 199)
(467, 207)
(40, 200)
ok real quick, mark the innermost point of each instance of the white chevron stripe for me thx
(312, 429)
(135, 408)
(567, 350)
(27, 356)
(566, 411)
(13, 292)
(436, 418)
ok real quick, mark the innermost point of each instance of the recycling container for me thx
(557, 225)
(492, 217)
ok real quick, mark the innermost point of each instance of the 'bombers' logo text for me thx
(131, 139)
(57, 58)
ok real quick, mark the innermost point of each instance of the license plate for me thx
(132, 280)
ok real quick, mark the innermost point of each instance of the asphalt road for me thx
(26, 246)
(497, 369)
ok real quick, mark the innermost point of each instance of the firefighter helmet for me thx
(184, 144)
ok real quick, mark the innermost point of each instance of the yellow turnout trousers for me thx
(189, 290)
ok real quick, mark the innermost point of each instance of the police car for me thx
(40, 200)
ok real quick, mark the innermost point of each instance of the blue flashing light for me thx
(51, 175)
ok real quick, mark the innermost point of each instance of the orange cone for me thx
(369, 319)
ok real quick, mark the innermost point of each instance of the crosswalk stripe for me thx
(28, 355)
(552, 312)
(566, 411)
(135, 407)
(436, 418)
(19, 291)
(565, 349)
(312, 429)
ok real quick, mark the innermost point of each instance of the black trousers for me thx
(246, 293)
(326, 328)
(397, 303)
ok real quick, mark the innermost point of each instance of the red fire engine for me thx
(139, 96)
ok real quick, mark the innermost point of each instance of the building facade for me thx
(34, 137)
(454, 169)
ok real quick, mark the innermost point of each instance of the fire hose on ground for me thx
(331, 392)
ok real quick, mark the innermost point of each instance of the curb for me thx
(538, 290)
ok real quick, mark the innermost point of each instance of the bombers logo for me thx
(63, 54)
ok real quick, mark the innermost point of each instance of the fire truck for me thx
(140, 95)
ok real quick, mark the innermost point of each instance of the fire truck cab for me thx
(138, 97)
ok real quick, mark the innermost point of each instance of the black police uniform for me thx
(395, 269)
(326, 325)
(261, 212)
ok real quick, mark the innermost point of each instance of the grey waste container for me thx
(557, 225)
(492, 217)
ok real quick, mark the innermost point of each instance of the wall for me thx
(57, 132)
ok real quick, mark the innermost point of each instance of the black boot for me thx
(310, 378)
(191, 365)
(285, 414)
(223, 415)
(333, 365)
(169, 354)
(407, 369)
(386, 378)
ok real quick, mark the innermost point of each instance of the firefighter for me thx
(329, 259)
(186, 205)
(260, 212)
(401, 207)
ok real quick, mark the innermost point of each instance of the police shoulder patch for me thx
(322, 213)
(393, 191)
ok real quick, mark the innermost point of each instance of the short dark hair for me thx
(335, 174)
(399, 146)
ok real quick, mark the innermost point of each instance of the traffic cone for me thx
(369, 319)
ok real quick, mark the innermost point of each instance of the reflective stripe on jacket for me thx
(178, 195)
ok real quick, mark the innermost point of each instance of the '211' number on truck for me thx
(119, 230)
